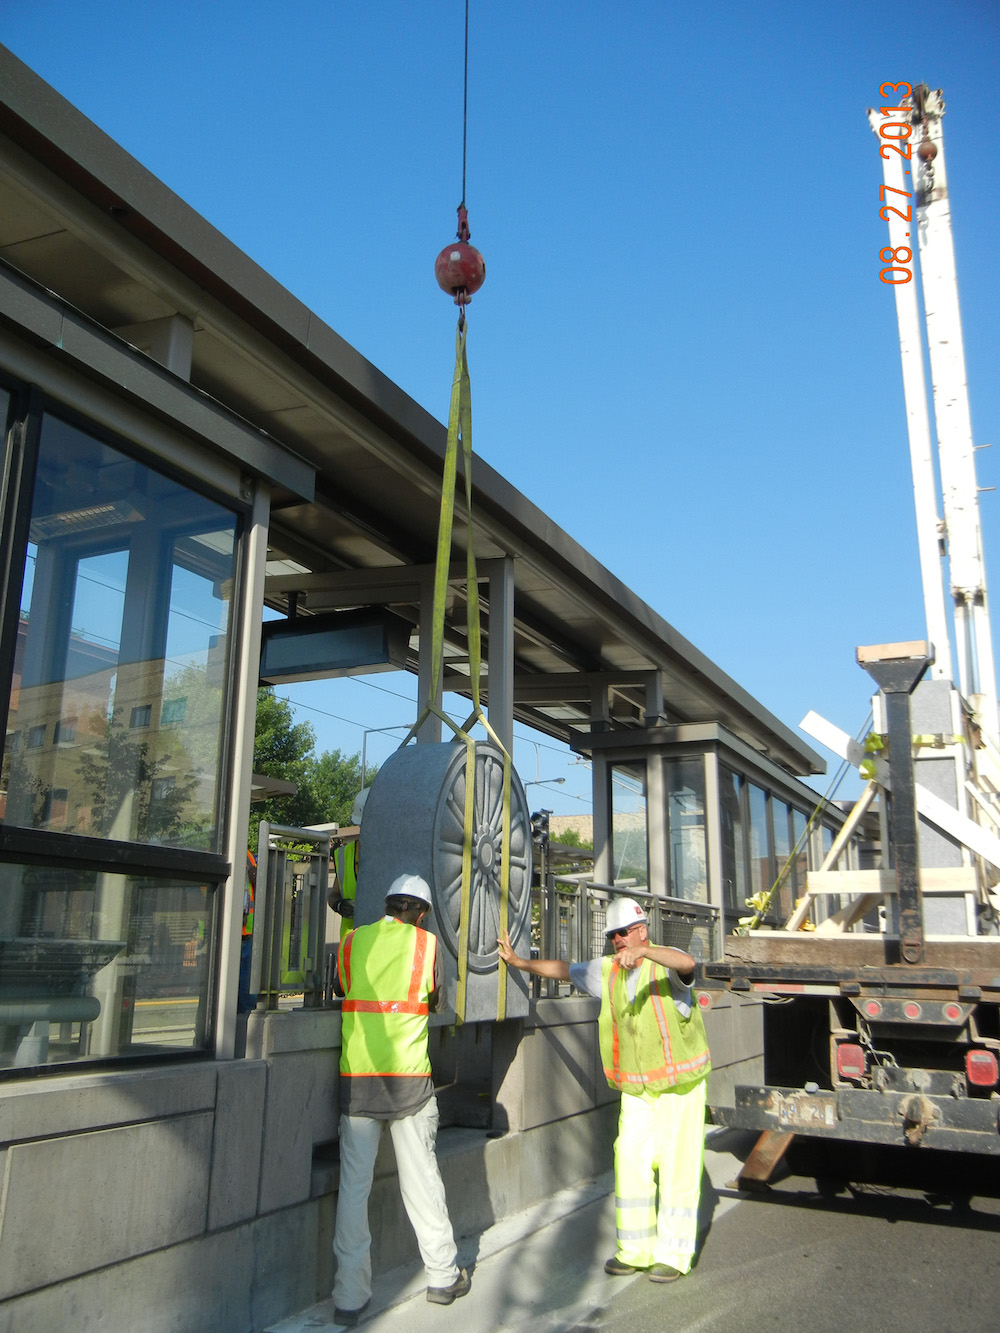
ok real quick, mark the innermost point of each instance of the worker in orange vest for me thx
(245, 1001)
(390, 978)
(655, 1053)
(345, 859)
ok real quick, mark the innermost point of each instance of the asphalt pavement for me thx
(854, 1240)
(845, 1239)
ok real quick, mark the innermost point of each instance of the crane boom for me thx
(960, 528)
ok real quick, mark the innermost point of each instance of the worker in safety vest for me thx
(390, 978)
(249, 893)
(345, 860)
(245, 1001)
(655, 1052)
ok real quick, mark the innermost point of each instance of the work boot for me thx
(664, 1273)
(616, 1267)
(348, 1318)
(445, 1295)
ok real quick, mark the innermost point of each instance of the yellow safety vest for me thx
(386, 972)
(646, 1045)
(345, 861)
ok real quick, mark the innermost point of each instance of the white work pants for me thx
(413, 1139)
(659, 1156)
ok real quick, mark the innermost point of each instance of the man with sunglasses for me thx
(655, 1052)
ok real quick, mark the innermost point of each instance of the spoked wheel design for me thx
(487, 843)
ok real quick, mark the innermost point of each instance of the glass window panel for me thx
(98, 965)
(124, 630)
(802, 855)
(780, 823)
(760, 857)
(686, 828)
(827, 836)
(628, 824)
(734, 866)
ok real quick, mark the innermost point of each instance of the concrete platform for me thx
(540, 1271)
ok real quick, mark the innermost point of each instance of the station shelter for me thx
(185, 445)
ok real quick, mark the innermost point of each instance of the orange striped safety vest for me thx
(386, 972)
(646, 1045)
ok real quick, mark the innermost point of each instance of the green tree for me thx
(280, 746)
(326, 783)
(334, 780)
(571, 838)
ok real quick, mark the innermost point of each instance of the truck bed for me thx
(813, 950)
(805, 957)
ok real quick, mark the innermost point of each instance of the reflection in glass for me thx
(760, 857)
(734, 866)
(799, 840)
(96, 965)
(686, 828)
(785, 897)
(116, 706)
(628, 824)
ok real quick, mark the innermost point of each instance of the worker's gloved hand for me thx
(343, 907)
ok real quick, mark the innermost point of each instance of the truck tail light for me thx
(981, 1068)
(850, 1060)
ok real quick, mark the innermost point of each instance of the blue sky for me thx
(682, 352)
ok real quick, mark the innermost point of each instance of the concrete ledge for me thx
(564, 1009)
(236, 1143)
(75, 1103)
(299, 1112)
(80, 1202)
(289, 1031)
(231, 1282)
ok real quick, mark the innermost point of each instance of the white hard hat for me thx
(621, 914)
(410, 886)
(358, 808)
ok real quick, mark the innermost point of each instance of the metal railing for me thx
(569, 912)
(289, 938)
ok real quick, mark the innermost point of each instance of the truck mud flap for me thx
(859, 1115)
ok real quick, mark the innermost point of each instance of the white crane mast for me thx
(959, 533)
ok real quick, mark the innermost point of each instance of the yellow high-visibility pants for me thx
(659, 1156)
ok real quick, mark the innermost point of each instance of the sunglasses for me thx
(625, 930)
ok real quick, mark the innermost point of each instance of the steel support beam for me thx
(896, 669)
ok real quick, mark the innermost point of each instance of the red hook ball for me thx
(460, 270)
(927, 151)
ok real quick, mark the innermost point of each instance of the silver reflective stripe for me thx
(643, 1234)
(644, 1202)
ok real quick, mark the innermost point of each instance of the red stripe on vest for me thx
(661, 1018)
(417, 974)
(615, 1053)
(344, 964)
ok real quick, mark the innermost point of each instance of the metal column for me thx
(896, 668)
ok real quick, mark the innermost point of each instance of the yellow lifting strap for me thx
(460, 430)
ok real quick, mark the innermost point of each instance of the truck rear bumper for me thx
(863, 1116)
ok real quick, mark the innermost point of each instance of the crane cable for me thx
(460, 434)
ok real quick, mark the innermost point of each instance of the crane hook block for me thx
(460, 269)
